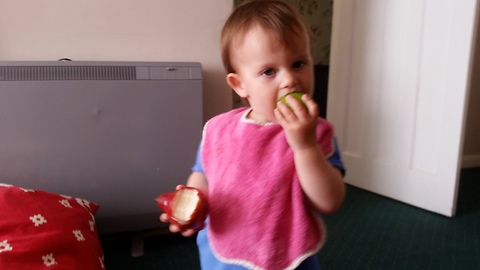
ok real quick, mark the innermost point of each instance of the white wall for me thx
(121, 30)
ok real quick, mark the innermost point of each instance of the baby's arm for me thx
(196, 180)
(321, 182)
(199, 181)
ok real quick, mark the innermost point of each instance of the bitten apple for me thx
(296, 95)
(187, 207)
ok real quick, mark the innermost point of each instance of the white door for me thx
(399, 77)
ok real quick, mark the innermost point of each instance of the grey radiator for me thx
(116, 133)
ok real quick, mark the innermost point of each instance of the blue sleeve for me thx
(335, 159)
(198, 167)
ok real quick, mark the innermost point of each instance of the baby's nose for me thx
(289, 80)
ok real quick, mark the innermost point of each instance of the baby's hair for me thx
(275, 16)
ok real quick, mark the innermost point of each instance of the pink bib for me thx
(258, 217)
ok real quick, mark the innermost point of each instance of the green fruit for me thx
(296, 95)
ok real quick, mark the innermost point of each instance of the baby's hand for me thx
(185, 209)
(299, 120)
(175, 229)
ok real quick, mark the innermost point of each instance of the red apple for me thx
(187, 207)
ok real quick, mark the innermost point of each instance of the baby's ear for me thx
(236, 84)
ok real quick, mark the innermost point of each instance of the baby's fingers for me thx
(311, 105)
(189, 232)
(164, 218)
(175, 229)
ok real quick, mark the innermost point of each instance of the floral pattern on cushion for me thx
(43, 230)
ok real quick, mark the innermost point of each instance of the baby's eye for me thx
(298, 64)
(268, 72)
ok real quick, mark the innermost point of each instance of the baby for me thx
(270, 168)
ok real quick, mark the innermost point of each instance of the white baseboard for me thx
(471, 161)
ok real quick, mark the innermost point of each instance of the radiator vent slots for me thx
(61, 73)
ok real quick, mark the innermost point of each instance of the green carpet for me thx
(369, 232)
(372, 232)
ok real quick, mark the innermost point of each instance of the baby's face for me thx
(269, 69)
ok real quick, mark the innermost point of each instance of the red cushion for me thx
(42, 230)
